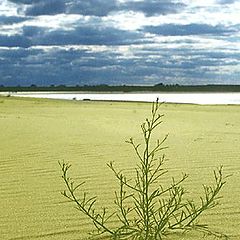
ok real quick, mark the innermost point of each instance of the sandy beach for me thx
(37, 133)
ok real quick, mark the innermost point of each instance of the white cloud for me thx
(200, 12)
(11, 9)
(59, 21)
(126, 20)
(7, 9)
(54, 22)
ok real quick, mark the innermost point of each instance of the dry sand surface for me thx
(36, 133)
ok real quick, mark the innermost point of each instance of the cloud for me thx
(188, 29)
(226, 1)
(4, 20)
(54, 66)
(31, 32)
(90, 36)
(104, 7)
(49, 7)
(27, 2)
(14, 41)
(41, 7)
(83, 7)
(104, 65)
(99, 7)
(92, 7)
(75, 31)
(81, 35)
(154, 7)
(119, 42)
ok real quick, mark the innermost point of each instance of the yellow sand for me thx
(36, 133)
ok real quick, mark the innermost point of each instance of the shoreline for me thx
(113, 101)
(170, 97)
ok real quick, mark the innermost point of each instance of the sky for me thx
(116, 42)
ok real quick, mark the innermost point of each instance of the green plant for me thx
(145, 209)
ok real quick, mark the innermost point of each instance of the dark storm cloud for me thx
(185, 30)
(185, 58)
(154, 7)
(89, 36)
(226, 1)
(104, 7)
(32, 32)
(99, 7)
(49, 7)
(83, 7)
(42, 7)
(28, 2)
(93, 7)
(103, 54)
(73, 66)
(66, 66)
(14, 41)
(83, 35)
(5, 20)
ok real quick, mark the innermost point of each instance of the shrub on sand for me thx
(145, 209)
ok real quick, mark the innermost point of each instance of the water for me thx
(194, 98)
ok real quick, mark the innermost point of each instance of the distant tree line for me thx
(125, 88)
